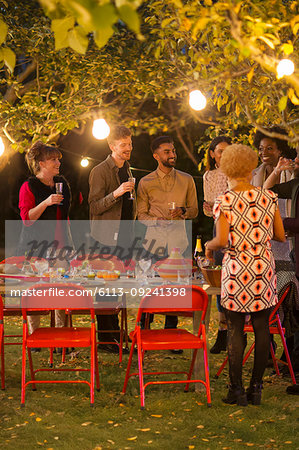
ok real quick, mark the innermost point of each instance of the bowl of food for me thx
(111, 275)
(212, 275)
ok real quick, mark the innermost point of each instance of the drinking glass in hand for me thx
(58, 189)
(171, 208)
(131, 180)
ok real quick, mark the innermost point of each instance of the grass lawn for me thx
(59, 416)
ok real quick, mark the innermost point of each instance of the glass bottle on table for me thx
(199, 256)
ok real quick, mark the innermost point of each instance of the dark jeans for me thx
(235, 344)
(107, 322)
(170, 321)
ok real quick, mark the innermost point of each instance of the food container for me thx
(212, 276)
(171, 266)
(114, 275)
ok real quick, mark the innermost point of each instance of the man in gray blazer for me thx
(112, 211)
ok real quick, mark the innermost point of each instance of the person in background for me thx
(155, 191)
(214, 184)
(112, 212)
(290, 190)
(38, 201)
(247, 218)
(271, 149)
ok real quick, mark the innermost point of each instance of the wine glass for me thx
(131, 180)
(171, 208)
(145, 265)
(202, 262)
(58, 189)
(42, 266)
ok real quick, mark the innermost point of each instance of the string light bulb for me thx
(84, 162)
(285, 67)
(100, 129)
(197, 100)
(1, 146)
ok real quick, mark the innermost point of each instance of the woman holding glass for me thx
(247, 218)
(38, 201)
(214, 184)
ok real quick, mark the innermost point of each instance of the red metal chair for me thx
(169, 339)
(2, 368)
(275, 327)
(109, 262)
(67, 297)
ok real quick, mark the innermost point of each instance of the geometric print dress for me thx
(248, 281)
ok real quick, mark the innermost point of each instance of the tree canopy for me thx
(67, 61)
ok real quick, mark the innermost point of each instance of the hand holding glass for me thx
(171, 208)
(131, 180)
(58, 189)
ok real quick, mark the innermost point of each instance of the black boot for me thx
(221, 342)
(254, 392)
(236, 395)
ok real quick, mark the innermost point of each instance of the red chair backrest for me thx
(195, 299)
(100, 262)
(1, 309)
(48, 296)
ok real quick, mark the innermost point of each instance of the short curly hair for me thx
(238, 161)
(282, 145)
(40, 152)
(118, 132)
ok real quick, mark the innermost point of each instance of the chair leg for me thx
(96, 367)
(121, 337)
(23, 382)
(274, 359)
(126, 327)
(2, 359)
(221, 367)
(191, 369)
(140, 370)
(92, 373)
(31, 368)
(248, 353)
(207, 375)
(129, 366)
(286, 351)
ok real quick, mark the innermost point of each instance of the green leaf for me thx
(78, 41)
(102, 36)
(282, 104)
(64, 24)
(103, 16)
(61, 28)
(9, 58)
(130, 17)
(3, 31)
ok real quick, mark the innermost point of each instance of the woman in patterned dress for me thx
(214, 184)
(247, 218)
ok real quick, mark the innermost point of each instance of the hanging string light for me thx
(100, 129)
(84, 162)
(2, 148)
(285, 67)
(197, 100)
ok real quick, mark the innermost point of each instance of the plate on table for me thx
(11, 281)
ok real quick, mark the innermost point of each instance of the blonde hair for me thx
(238, 161)
(40, 152)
